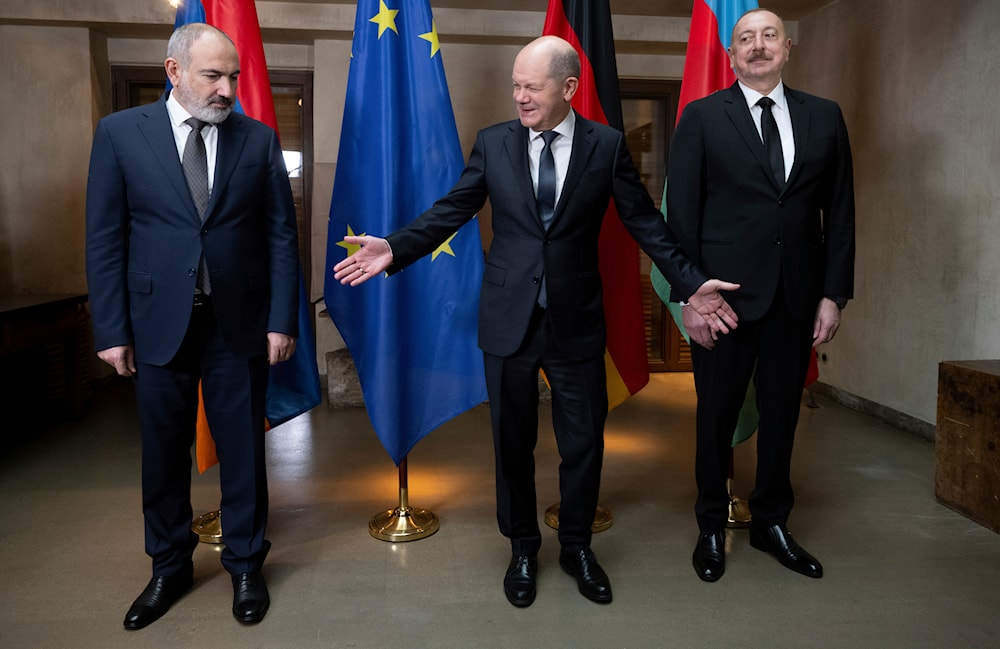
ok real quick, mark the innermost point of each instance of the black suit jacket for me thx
(737, 224)
(600, 168)
(145, 238)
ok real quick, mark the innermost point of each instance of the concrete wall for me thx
(920, 97)
(46, 131)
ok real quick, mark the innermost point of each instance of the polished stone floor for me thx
(901, 569)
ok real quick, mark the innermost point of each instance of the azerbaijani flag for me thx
(707, 70)
(586, 24)
(293, 386)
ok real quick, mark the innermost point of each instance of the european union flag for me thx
(412, 337)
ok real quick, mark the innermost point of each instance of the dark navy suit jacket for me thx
(145, 238)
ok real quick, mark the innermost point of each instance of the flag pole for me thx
(404, 523)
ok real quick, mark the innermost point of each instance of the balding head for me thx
(546, 76)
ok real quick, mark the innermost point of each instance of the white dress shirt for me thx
(178, 114)
(562, 146)
(781, 116)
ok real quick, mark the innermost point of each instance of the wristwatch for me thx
(841, 302)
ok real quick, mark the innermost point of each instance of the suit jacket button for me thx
(192, 272)
(204, 231)
(781, 203)
(777, 241)
(535, 280)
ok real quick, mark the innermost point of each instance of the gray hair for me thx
(565, 64)
(179, 45)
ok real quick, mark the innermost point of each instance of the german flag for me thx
(586, 24)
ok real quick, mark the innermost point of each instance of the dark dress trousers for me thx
(567, 339)
(787, 245)
(144, 242)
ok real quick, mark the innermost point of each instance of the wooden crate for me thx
(967, 443)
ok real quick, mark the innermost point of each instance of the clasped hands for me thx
(707, 313)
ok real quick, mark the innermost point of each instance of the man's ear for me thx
(572, 85)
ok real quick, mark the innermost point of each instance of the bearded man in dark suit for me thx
(193, 276)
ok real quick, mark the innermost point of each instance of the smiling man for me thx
(549, 176)
(761, 193)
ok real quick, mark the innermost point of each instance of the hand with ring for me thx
(373, 254)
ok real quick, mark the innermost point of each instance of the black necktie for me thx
(546, 195)
(772, 140)
(547, 180)
(195, 163)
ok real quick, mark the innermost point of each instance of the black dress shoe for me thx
(709, 557)
(590, 577)
(775, 540)
(519, 582)
(250, 598)
(158, 596)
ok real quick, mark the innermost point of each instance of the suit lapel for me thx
(516, 145)
(232, 138)
(159, 134)
(800, 115)
(739, 114)
(584, 144)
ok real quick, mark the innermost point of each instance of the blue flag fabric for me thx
(412, 336)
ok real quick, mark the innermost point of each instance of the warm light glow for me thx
(175, 3)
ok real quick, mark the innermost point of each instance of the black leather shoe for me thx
(519, 582)
(250, 598)
(156, 599)
(590, 577)
(775, 540)
(709, 557)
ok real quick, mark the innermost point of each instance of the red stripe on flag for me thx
(706, 64)
(619, 253)
(238, 18)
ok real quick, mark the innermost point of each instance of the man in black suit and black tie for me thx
(549, 177)
(761, 193)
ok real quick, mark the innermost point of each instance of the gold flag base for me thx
(404, 523)
(602, 518)
(739, 510)
(208, 527)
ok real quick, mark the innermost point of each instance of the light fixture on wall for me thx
(175, 3)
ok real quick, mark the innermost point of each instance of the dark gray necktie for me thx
(546, 192)
(772, 140)
(546, 195)
(195, 163)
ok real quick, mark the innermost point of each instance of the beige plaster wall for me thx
(917, 83)
(46, 132)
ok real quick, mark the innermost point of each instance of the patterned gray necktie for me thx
(195, 163)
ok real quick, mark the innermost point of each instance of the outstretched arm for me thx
(374, 257)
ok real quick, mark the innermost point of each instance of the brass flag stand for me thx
(602, 518)
(404, 523)
(739, 511)
(208, 527)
